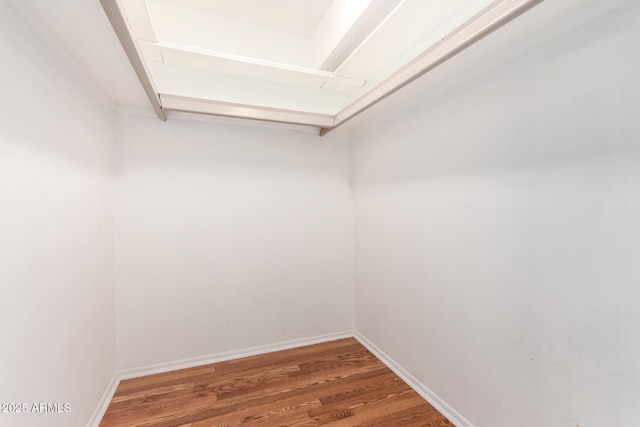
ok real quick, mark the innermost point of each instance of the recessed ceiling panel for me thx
(415, 25)
(176, 23)
(299, 17)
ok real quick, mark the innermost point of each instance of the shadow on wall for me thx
(192, 144)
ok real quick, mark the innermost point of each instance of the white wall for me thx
(56, 234)
(497, 230)
(228, 237)
(498, 225)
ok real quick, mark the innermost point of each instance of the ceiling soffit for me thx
(315, 62)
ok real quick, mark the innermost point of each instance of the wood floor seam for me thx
(335, 384)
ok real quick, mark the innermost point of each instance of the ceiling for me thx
(313, 62)
(299, 17)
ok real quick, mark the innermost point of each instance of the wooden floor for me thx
(338, 383)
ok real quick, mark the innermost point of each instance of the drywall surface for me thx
(498, 225)
(228, 238)
(56, 237)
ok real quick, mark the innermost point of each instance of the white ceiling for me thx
(228, 51)
(273, 60)
(293, 16)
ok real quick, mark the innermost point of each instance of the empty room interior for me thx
(320, 212)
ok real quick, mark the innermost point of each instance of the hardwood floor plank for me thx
(292, 356)
(377, 412)
(421, 415)
(148, 395)
(298, 396)
(335, 384)
(344, 407)
(317, 382)
(263, 418)
(167, 378)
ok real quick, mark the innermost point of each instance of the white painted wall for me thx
(498, 224)
(56, 234)
(228, 237)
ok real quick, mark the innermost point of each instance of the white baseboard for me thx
(95, 419)
(228, 355)
(202, 360)
(453, 416)
(445, 409)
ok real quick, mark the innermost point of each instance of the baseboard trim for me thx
(203, 360)
(98, 413)
(229, 355)
(445, 409)
(454, 416)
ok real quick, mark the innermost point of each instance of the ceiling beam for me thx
(492, 18)
(229, 109)
(332, 30)
(119, 25)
